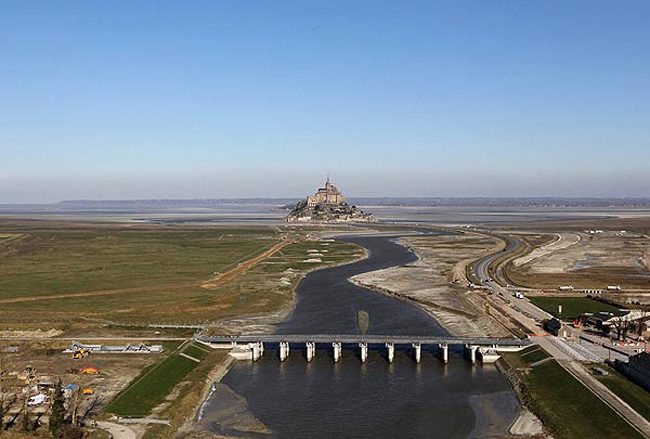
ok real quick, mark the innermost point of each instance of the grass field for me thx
(636, 396)
(56, 261)
(572, 307)
(533, 355)
(196, 352)
(117, 272)
(153, 384)
(141, 275)
(566, 407)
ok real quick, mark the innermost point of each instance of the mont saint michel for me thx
(327, 205)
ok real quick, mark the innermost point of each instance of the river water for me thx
(322, 399)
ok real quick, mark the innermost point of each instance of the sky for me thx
(198, 99)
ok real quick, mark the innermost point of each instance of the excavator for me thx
(80, 353)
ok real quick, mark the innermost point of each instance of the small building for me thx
(119, 349)
(488, 355)
(45, 385)
(605, 320)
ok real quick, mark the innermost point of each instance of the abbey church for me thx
(327, 205)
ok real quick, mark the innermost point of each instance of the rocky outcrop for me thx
(327, 205)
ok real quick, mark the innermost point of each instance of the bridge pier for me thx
(470, 353)
(311, 350)
(443, 352)
(284, 350)
(336, 346)
(418, 351)
(257, 350)
(391, 351)
(364, 351)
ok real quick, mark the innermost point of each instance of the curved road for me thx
(482, 272)
(527, 309)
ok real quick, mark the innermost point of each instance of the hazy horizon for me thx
(388, 184)
(252, 99)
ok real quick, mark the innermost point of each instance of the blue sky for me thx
(257, 98)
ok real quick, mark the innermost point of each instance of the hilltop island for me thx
(327, 205)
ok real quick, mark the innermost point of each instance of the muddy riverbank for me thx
(375, 399)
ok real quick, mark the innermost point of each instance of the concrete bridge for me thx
(251, 347)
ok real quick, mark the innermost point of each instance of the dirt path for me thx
(118, 431)
(243, 267)
(221, 279)
(98, 293)
(563, 241)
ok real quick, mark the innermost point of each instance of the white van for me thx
(37, 399)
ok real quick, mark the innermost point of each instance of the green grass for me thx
(163, 267)
(572, 307)
(534, 356)
(196, 352)
(565, 406)
(169, 345)
(636, 396)
(150, 388)
(76, 260)
(62, 260)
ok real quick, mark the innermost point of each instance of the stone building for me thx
(326, 195)
(327, 205)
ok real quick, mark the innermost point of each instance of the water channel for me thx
(321, 399)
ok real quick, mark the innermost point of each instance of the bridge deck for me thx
(354, 338)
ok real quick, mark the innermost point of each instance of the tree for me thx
(57, 414)
(25, 414)
(641, 324)
(622, 325)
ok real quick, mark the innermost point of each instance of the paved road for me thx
(482, 272)
(374, 339)
(565, 354)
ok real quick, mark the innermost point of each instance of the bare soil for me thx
(436, 282)
(596, 261)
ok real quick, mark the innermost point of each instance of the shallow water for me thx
(321, 399)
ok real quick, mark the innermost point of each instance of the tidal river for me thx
(321, 399)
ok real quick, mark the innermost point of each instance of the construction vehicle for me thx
(88, 391)
(80, 353)
(89, 370)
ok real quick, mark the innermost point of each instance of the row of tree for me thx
(57, 423)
